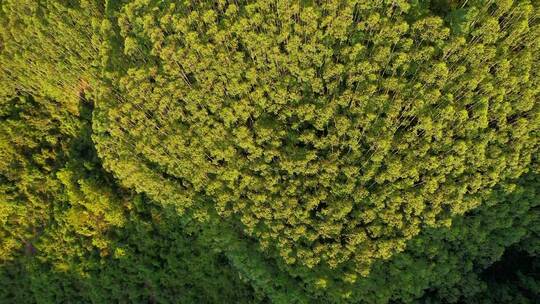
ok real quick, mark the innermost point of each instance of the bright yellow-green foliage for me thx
(332, 131)
(49, 47)
(282, 151)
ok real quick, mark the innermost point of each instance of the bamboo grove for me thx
(337, 151)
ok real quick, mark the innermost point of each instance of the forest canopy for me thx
(161, 151)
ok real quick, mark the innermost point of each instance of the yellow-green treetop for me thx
(332, 131)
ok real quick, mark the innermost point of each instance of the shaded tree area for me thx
(150, 263)
(70, 234)
(515, 278)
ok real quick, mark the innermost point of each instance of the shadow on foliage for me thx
(154, 260)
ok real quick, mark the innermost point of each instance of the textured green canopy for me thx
(326, 148)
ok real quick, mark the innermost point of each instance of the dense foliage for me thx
(269, 151)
